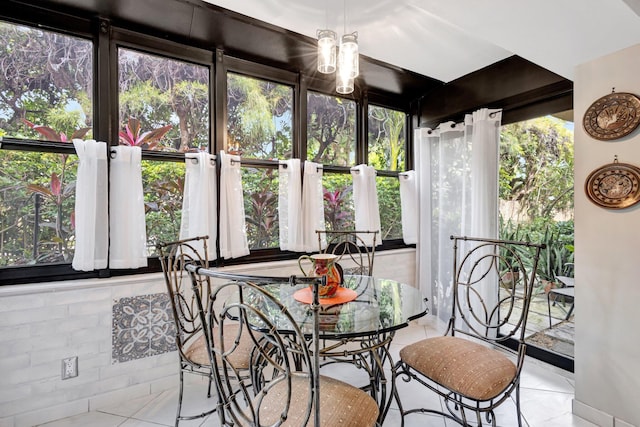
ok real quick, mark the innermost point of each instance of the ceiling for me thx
(448, 39)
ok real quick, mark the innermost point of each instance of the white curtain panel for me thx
(365, 200)
(128, 235)
(91, 209)
(199, 201)
(409, 207)
(233, 230)
(290, 205)
(312, 206)
(457, 183)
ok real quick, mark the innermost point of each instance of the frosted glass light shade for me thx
(327, 40)
(348, 58)
(344, 82)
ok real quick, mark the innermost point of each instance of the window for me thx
(259, 117)
(386, 152)
(162, 103)
(162, 93)
(387, 138)
(331, 130)
(536, 204)
(45, 94)
(260, 126)
(168, 100)
(331, 141)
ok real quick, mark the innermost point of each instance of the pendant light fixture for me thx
(347, 67)
(326, 51)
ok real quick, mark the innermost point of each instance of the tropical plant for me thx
(53, 135)
(147, 140)
(335, 212)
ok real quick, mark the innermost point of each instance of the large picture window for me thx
(158, 94)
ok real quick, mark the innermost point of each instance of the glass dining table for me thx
(359, 331)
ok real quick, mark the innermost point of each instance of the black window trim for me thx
(107, 37)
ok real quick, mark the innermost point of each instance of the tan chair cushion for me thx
(460, 365)
(197, 351)
(341, 404)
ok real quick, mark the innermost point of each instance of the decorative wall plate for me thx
(614, 186)
(612, 116)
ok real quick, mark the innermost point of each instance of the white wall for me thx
(40, 324)
(607, 260)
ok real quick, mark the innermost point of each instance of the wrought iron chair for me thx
(468, 366)
(190, 336)
(286, 387)
(355, 249)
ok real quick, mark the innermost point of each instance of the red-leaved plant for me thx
(147, 140)
(52, 135)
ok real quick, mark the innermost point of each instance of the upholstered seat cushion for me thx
(460, 365)
(341, 404)
(197, 351)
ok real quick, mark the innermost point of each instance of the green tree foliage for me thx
(158, 92)
(331, 130)
(386, 138)
(260, 118)
(536, 190)
(536, 168)
(44, 71)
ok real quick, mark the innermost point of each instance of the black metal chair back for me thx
(492, 284)
(504, 271)
(189, 332)
(355, 249)
(285, 383)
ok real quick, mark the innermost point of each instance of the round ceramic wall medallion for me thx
(614, 186)
(612, 116)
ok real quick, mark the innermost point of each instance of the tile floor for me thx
(546, 395)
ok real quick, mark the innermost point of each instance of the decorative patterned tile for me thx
(142, 326)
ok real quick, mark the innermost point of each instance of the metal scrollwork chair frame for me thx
(468, 366)
(355, 248)
(189, 330)
(286, 383)
(190, 333)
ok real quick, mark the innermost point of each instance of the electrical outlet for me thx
(69, 367)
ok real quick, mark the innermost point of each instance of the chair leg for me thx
(518, 405)
(209, 387)
(180, 394)
(395, 394)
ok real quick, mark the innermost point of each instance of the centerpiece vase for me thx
(323, 265)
